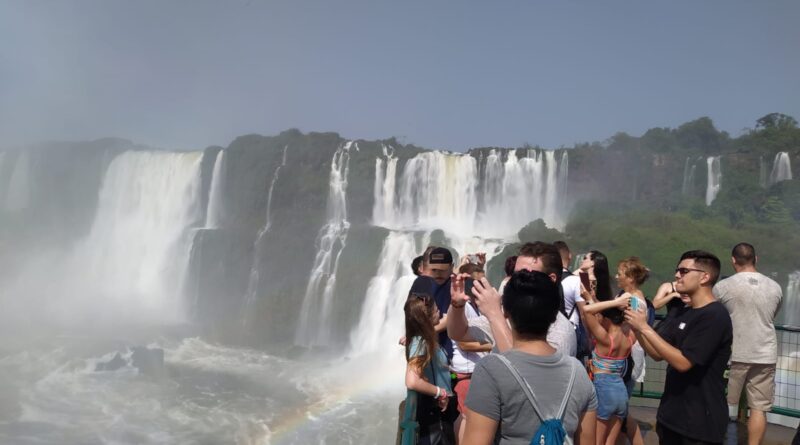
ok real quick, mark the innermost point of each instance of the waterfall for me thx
(689, 169)
(714, 178)
(253, 280)
(781, 168)
(271, 189)
(137, 251)
(448, 191)
(563, 183)
(790, 305)
(313, 327)
(381, 322)
(19, 186)
(385, 187)
(215, 214)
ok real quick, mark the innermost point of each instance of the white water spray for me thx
(314, 325)
(275, 177)
(714, 178)
(790, 306)
(385, 187)
(137, 251)
(781, 168)
(216, 212)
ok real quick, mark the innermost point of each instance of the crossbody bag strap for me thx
(522, 383)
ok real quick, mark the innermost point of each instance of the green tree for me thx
(778, 121)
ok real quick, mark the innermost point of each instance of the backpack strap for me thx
(529, 393)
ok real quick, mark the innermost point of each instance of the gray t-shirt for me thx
(495, 393)
(753, 300)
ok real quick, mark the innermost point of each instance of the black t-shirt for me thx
(693, 403)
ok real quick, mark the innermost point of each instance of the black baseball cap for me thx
(440, 255)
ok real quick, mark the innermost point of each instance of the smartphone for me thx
(468, 284)
(585, 280)
(634, 304)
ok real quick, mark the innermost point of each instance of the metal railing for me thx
(787, 375)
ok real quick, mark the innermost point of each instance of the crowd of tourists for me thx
(552, 355)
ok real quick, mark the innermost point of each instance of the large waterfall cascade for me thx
(216, 210)
(314, 325)
(781, 168)
(137, 251)
(714, 181)
(439, 190)
(478, 209)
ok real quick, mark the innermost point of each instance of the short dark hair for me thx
(511, 262)
(547, 253)
(415, 263)
(705, 259)
(744, 254)
(531, 302)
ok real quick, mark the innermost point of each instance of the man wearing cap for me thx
(439, 266)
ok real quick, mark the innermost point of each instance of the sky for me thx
(440, 74)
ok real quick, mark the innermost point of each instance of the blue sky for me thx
(441, 74)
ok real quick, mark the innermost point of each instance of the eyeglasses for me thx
(684, 270)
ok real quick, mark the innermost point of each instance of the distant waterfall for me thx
(714, 178)
(781, 168)
(137, 251)
(215, 214)
(689, 169)
(19, 186)
(271, 189)
(252, 283)
(313, 327)
(448, 191)
(790, 306)
(385, 187)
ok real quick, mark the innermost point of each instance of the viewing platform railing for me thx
(787, 375)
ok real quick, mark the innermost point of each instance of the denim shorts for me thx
(612, 396)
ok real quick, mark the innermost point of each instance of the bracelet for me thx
(457, 307)
(438, 391)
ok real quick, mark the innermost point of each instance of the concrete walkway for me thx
(737, 433)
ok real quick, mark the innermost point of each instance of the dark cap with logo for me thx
(440, 255)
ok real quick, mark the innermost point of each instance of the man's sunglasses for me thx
(684, 270)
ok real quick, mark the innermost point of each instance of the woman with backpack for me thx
(532, 391)
(427, 377)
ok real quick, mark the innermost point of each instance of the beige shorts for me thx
(757, 379)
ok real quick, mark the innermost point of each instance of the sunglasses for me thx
(684, 270)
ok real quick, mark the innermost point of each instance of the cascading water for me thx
(253, 281)
(790, 305)
(781, 168)
(314, 325)
(216, 212)
(714, 178)
(689, 169)
(272, 188)
(385, 187)
(137, 251)
(381, 322)
(443, 190)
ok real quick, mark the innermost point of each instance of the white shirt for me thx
(571, 287)
(464, 362)
(561, 335)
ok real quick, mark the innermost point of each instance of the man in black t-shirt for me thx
(697, 346)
